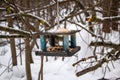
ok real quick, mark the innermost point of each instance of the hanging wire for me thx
(119, 33)
(58, 23)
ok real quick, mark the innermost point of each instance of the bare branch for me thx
(17, 31)
(13, 36)
(111, 45)
(83, 59)
(107, 19)
(91, 68)
(95, 67)
(109, 57)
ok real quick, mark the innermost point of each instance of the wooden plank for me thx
(59, 54)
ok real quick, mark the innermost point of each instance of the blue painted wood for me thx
(66, 42)
(43, 42)
(73, 40)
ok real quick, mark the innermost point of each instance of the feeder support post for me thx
(73, 40)
(43, 42)
(66, 42)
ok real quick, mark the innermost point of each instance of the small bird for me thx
(92, 18)
(9, 9)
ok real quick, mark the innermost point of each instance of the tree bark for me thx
(110, 9)
(98, 65)
(114, 12)
(27, 48)
(12, 40)
(27, 59)
(15, 31)
(106, 7)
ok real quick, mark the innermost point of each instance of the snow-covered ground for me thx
(55, 69)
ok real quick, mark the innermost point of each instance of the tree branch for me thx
(8, 29)
(83, 59)
(106, 19)
(91, 68)
(13, 36)
(107, 58)
(111, 45)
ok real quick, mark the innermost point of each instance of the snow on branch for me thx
(17, 31)
(91, 68)
(28, 14)
(2, 19)
(113, 18)
(42, 21)
(109, 57)
(84, 27)
(13, 36)
(2, 9)
(48, 6)
(3, 43)
(106, 44)
(83, 59)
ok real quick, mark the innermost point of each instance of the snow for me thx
(62, 30)
(113, 17)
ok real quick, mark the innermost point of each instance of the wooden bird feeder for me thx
(67, 49)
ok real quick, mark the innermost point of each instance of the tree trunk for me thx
(12, 45)
(27, 49)
(110, 9)
(12, 40)
(27, 59)
(114, 12)
(106, 7)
